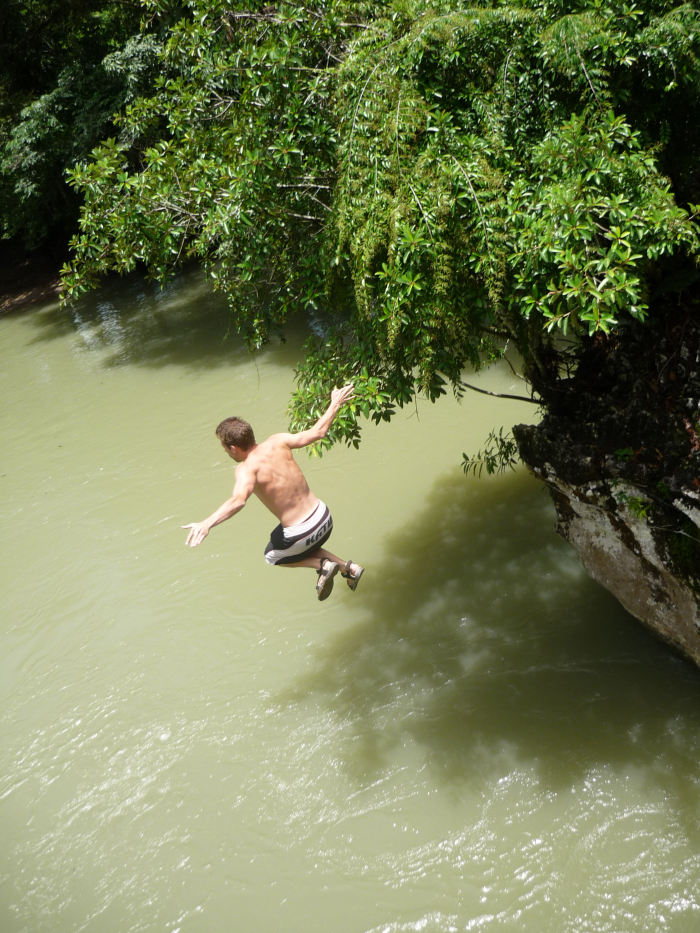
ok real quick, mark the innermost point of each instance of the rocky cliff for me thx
(620, 452)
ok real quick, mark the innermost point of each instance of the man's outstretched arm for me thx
(339, 397)
(245, 484)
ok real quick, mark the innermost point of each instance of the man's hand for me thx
(198, 532)
(303, 438)
(340, 396)
(245, 484)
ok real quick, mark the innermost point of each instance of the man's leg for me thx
(314, 560)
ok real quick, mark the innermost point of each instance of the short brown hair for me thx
(236, 432)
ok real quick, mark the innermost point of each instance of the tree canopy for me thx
(66, 67)
(432, 179)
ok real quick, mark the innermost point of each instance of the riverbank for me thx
(27, 277)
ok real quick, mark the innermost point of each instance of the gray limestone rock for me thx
(624, 552)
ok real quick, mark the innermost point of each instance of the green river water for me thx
(479, 738)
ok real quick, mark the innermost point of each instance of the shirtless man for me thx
(270, 471)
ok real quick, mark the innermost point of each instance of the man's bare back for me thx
(278, 482)
(270, 471)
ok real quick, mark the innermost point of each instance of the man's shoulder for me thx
(276, 441)
(272, 448)
(248, 466)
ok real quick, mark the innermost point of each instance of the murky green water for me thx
(479, 738)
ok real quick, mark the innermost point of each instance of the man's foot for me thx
(353, 577)
(327, 571)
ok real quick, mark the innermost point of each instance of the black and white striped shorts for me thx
(288, 545)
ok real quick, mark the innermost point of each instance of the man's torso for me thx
(279, 483)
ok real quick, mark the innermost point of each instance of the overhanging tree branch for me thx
(516, 398)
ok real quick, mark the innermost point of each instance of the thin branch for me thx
(675, 532)
(516, 398)
(512, 369)
(305, 216)
(505, 70)
(425, 218)
(483, 222)
(495, 332)
(354, 118)
(173, 207)
(398, 165)
(256, 16)
(182, 242)
(306, 186)
(320, 203)
(590, 83)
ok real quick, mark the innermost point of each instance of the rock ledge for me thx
(619, 449)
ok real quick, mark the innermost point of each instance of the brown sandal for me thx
(353, 579)
(325, 577)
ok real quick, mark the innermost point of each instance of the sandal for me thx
(353, 579)
(326, 572)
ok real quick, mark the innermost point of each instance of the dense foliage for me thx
(66, 66)
(432, 179)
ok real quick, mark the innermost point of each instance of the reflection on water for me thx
(133, 321)
(484, 640)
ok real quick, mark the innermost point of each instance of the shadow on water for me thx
(134, 322)
(486, 642)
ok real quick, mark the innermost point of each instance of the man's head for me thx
(235, 432)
